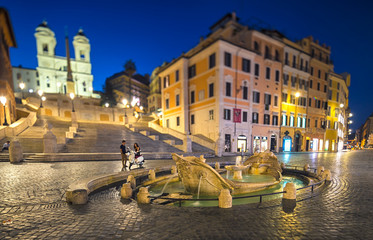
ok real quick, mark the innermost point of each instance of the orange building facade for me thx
(249, 90)
(8, 111)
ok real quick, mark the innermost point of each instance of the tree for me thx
(108, 94)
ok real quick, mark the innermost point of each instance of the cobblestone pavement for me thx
(341, 210)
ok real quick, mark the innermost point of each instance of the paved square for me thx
(32, 197)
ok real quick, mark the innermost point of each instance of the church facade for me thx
(52, 70)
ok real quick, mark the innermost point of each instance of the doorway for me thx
(241, 143)
(307, 144)
(273, 143)
(297, 146)
(227, 147)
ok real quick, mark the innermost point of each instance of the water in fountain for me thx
(199, 186)
(164, 187)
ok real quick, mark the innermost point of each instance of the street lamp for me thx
(350, 115)
(22, 86)
(3, 101)
(40, 93)
(107, 105)
(72, 96)
(341, 105)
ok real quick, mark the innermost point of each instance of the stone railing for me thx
(2, 132)
(19, 126)
(169, 131)
(208, 144)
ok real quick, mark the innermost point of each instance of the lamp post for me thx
(22, 86)
(40, 93)
(3, 101)
(72, 96)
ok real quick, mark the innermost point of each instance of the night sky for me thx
(151, 32)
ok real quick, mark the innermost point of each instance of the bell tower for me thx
(45, 41)
(82, 47)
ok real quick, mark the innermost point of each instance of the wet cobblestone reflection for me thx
(31, 198)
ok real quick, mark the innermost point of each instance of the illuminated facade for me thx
(120, 85)
(252, 90)
(52, 69)
(295, 84)
(155, 98)
(336, 123)
(28, 76)
(317, 103)
(226, 89)
(7, 40)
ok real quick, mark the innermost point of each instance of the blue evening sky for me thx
(151, 32)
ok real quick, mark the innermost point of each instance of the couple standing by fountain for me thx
(131, 156)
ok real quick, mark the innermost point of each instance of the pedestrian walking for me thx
(123, 151)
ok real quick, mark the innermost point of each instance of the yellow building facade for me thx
(295, 84)
(336, 125)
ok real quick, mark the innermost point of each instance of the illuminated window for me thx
(274, 120)
(291, 123)
(284, 120)
(255, 117)
(227, 114)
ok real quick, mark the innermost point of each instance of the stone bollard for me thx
(15, 152)
(151, 174)
(49, 142)
(327, 175)
(217, 166)
(173, 169)
(306, 168)
(142, 196)
(319, 170)
(126, 191)
(225, 199)
(132, 181)
(289, 198)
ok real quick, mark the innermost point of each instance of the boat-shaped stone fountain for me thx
(199, 178)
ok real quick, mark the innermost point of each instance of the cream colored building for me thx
(52, 69)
